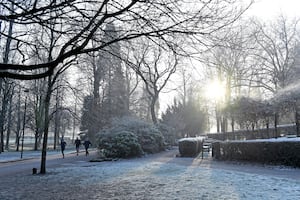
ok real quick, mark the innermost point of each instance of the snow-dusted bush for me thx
(190, 146)
(168, 133)
(148, 136)
(121, 144)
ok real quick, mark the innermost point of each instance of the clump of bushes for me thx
(130, 137)
(121, 144)
(168, 133)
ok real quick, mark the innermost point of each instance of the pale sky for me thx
(268, 9)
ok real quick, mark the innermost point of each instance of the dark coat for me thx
(63, 145)
(77, 142)
(87, 144)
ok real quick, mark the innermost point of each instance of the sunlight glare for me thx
(215, 90)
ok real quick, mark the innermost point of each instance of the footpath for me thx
(14, 156)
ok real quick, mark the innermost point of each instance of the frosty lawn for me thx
(160, 176)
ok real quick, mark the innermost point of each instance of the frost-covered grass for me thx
(161, 176)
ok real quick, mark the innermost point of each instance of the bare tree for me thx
(7, 89)
(155, 67)
(230, 63)
(277, 50)
(38, 89)
(80, 22)
(63, 29)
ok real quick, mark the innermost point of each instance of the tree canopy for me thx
(76, 24)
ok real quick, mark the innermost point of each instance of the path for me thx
(13, 165)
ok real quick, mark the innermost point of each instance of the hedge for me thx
(190, 147)
(279, 153)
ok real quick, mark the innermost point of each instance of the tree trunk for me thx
(218, 124)
(56, 129)
(297, 123)
(2, 121)
(253, 126)
(268, 128)
(46, 127)
(57, 120)
(152, 110)
(39, 120)
(36, 141)
(218, 120)
(74, 120)
(224, 124)
(5, 92)
(19, 120)
(127, 101)
(3, 116)
(275, 125)
(232, 124)
(9, 121)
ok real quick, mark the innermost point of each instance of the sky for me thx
(268, 9)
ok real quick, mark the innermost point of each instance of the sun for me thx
(215, 90)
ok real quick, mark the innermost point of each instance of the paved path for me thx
(15, 165)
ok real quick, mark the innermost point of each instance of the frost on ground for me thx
(160, 176)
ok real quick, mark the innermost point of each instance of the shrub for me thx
(168, 133)
(148, 136)
(276, 152)
(122, 144)
(150, 139)
(190, 147)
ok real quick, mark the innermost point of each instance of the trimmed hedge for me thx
(279, 153)
(190, 147)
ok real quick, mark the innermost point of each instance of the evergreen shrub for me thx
(123, 144)
(145, 134)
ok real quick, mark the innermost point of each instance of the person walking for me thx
(63, 146)
(86, 145)
(77, 145)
